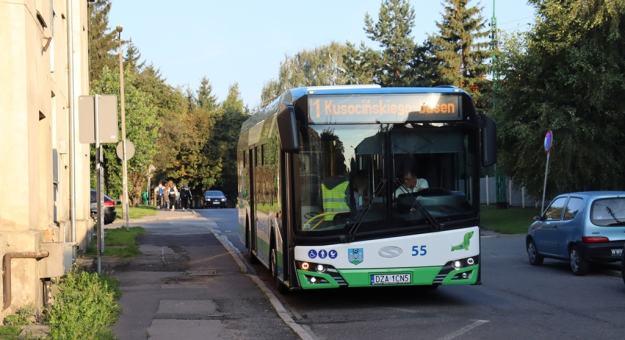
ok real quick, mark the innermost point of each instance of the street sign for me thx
(547, 146)
(548, 141)
(130, 150)
(107, 119)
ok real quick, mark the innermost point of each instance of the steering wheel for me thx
(333, 213)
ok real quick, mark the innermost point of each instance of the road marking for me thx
(464, 329)
(282, 312)
(401, 310)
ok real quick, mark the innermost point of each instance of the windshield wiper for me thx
(614, 217)
(349, 237)
(433, 222)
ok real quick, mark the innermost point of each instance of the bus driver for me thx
(411, 183)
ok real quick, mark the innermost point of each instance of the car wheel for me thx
(579, 266)
(532, 253)
(274, 273)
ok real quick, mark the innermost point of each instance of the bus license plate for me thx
(216, 202)
(390, 279)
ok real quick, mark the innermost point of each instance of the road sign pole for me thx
(547, 146)
(542, 209)
(123, 114)
(99, 193)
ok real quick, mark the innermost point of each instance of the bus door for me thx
(252, 215)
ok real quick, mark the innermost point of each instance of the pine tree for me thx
(102, 44)
(392, 31)
(131, 60)
(459, 52)
(205, 97)
(360, 64)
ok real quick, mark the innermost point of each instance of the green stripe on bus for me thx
(362, 277)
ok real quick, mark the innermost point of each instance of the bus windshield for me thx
(419, 170)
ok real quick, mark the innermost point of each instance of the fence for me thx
(515, 197)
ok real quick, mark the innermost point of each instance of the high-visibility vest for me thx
(334, 200)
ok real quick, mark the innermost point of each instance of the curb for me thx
(148, 219)
(279, 308)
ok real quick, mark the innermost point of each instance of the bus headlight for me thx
(320, 268)
(305, 266)
(470, 261)
(457, 264)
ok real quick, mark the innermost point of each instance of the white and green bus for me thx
(324, 194)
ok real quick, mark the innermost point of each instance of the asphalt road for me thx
(515, 301)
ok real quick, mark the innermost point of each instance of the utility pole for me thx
(123, 114)
(500, 178)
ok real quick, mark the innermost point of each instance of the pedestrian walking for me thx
(185, 196)
(160, 194)
(172, 195)
(166, 190)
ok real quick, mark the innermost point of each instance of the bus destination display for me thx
(383, 108)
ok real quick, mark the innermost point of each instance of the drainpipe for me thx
(72, 123)
(6, 282)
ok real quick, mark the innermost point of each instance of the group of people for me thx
(168, 195)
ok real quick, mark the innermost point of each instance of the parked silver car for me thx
(579, 227)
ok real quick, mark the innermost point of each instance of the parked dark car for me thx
(579, 227)
(109, 213)
(215, 198)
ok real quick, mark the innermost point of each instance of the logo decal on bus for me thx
(465, 244)
(323, 253)
(355, 255)
(390, 252)
(333, 254)
(312, 253)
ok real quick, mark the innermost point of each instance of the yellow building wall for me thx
(36, 143)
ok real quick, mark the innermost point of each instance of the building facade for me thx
(45, 209)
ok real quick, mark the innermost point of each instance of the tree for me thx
(131, 60)
(193, 154)
(141, 129)
(566, 75)
(392, 32)
(205, 97)
(320, 66)
(226, 138)
(102, 44)
(360, 64)
(459, 52)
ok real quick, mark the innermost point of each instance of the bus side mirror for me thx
(287, 128)
(489, 141)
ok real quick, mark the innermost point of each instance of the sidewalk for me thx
(188, 284)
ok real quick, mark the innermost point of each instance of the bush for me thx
(85, 307)
(22, 317)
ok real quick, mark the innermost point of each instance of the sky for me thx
(244, 42)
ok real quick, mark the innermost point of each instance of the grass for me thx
(10, 332)
(513, 220)
(137, 212)
(119, 242)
